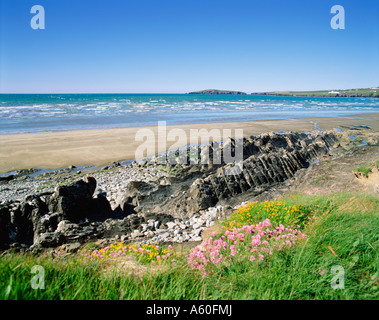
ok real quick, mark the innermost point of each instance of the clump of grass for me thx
(279, 212)
(145, 253)
(367, 169)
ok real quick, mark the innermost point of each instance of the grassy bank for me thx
(341, 230)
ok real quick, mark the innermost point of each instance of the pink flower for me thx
(213, 254)
(260, 256)
(255, 242)
(252, 258)
(241, 236)
(232, 237)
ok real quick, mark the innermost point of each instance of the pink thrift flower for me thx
(260, 256)
(252, 258)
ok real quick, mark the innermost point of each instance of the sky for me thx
(177, 46)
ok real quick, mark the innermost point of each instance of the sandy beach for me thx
(52, 150)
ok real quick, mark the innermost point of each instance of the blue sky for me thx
(176, 46)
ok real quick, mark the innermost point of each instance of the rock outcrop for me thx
(72, 213)
(77, 213)
(268, 160)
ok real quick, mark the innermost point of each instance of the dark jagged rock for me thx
(5, 226)
(70, 214)
(268, 159)
(121, 227)
(27, 219)
(73, 201)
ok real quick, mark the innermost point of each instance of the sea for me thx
(26, 113)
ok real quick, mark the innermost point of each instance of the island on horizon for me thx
(215, 92)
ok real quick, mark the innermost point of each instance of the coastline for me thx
(52, 150)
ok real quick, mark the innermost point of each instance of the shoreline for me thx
(60, 149)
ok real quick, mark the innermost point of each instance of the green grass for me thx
(367, 169)
(344, 232)
(287, 212)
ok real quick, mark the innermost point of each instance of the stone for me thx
(183, 226)
(73, 201)
(171, 225)
(71, 247)
(49, 239)
(197, 232)
(157, 224)
(165, 235)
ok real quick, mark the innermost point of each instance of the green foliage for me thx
(367, 169)
(343, 231)
(287, 212)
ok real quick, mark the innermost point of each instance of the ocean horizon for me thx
(30, 113)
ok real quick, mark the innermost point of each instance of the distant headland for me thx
(214, 91)
(349, 93)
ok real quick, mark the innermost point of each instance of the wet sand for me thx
(52, 150)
